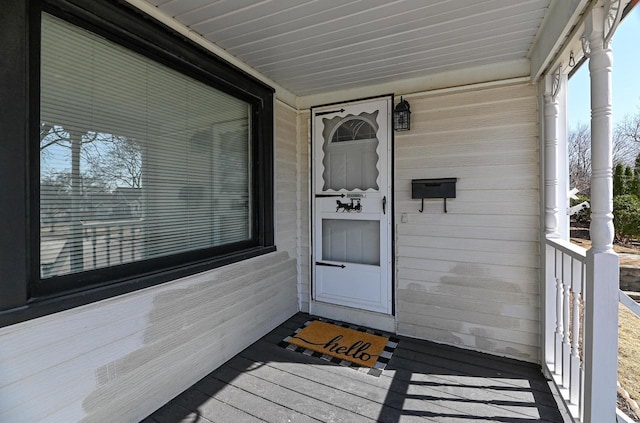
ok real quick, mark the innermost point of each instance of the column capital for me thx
(600, 25)
(553, 82)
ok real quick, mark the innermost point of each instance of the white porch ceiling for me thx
(317, 46)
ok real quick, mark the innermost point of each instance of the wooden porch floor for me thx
(423, 382)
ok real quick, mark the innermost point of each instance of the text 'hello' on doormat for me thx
(343, 344)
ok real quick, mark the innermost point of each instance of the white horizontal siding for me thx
(292, 180)
(470, 277)
(462, 255)
(121, 358)
(461, 337)
(286, 180)
(304, 173)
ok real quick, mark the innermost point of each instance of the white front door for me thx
(352, 204)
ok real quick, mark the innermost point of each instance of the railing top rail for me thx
(573, 250)
(630, 303)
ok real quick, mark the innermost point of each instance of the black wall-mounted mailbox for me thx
(433, 188)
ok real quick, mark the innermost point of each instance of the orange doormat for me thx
(343, 344)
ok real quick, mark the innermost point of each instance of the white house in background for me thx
(273, 182)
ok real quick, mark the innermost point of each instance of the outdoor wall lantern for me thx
(402, 116)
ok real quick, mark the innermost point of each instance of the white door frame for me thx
(381, 319)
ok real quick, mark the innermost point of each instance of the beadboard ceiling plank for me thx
(390, 74)
(217, 11)
(420, 39)
(443, 57)
(268, 15)
(398, 52)
(377, 23)
(315, 46)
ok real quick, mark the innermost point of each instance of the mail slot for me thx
(433, 188)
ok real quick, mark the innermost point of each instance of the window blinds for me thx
(137, 160)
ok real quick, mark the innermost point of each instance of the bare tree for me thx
(626, 140)
(629, 128)
(626, 147)
(580, 158)
(54, 134)
(122, 163)
(117, 160)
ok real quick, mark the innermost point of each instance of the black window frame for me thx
(22, 295)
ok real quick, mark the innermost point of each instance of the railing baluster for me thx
(559, 314)
(566, 309)
(576, 288)
(549, 313)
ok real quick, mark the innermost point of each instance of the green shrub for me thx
(618, 180)
(629, 181)
(626, 216)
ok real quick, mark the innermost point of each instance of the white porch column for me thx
(602, 284)
(562, 135)
(552, 329)
(551, 114)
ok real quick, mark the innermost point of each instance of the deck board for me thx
(423, 382)
(215, 409)
(245, 392)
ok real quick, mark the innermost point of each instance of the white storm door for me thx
(351, 191)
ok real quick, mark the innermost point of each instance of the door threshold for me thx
(380, 321)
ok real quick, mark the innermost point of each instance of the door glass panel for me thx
(351, 241)
(352, 130)
(350, 157)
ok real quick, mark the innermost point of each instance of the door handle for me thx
(319, 263)
(384, 205)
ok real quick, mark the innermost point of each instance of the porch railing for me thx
(564, 321)
(565, 302)
(628, 302)
(102, 244)
(634, 308)
(112, 242)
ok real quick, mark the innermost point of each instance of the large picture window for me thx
(153, 158)
(137, 161)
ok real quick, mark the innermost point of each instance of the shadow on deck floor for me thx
(423, 382)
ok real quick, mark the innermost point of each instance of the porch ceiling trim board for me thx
(559, 22)
(567, 43)
(451, 81)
